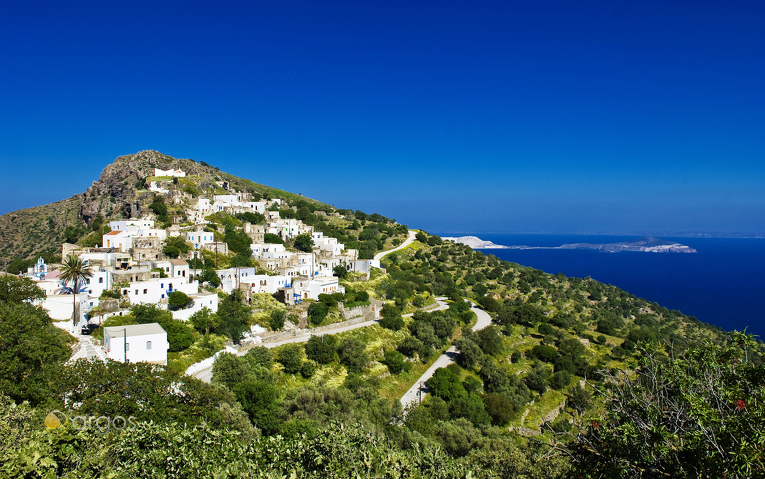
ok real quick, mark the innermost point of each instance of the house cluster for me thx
(131, 262)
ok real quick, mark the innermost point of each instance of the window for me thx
(148, 344)
(145, 291)
(136, 291)
(100, 280)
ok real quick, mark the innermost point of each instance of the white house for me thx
(228, 277)
(100, 281)
(312, 288)
(154, 290)
(179, 268)
(201, 300)
(264, 283)
(122, 225)
(177, 173)
(259, 249)
(136, 343)
(200, 238)
(119, 240)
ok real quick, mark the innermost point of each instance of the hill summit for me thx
(119, 191)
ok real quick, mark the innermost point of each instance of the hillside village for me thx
(133, 264)
(237, 309)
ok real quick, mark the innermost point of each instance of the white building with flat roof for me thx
(136, 343)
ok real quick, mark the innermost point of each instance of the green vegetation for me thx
(608, 384)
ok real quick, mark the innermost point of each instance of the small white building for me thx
(259, 249)
(200, 238)
(201, 300)
(264, 283)
(312, 288)
(177, 173)
(154, 290)
(122, 225)
(119, 240)
(136, 343)
(231, 277)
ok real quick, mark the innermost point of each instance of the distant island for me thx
(647, 244)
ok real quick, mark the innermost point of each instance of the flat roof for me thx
(134, 330)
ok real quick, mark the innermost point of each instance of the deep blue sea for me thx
(723, 284)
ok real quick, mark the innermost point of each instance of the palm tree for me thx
(75, 270)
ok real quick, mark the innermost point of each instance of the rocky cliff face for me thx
(116, 191)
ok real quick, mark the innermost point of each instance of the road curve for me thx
(418, 388)
(403, 245)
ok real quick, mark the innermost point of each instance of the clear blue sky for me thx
(506, 116)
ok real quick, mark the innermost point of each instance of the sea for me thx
(723, 284)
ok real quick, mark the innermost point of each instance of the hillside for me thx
(521, 399)
(119, 192)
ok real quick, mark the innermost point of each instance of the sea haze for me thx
(723, 284)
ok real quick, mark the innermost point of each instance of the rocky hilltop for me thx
(119, 192)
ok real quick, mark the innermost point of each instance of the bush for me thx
(308, 369)
(278, 316)
(291, 357)
(396, 362)
(316, 313)
(352, 354)
(321, 349)
(261, 356)
(543, 353)
(545, 329)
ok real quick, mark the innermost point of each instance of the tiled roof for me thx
(178, 262)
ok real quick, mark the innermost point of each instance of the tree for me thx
(391, 318)
(261, 356)
(278, 316)
(291, 357)
(446, 384)
(697, 414)
(17, 290)
(316, 313)
(499, 408)
(340, 271)
(234, 317)
(304, 243)
(353, 355)
(396, 362)
(321, 349)
(75, 270)
(175, 246)
(205, 320)
(178, 300)
(32, 350)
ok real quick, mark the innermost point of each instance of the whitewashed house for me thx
(136, 343)
(264, 283)
(177, 173)
(312, 288)
(201, 300)
(200, 238)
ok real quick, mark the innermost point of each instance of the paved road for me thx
(403, 245)
(419, 388)
(206, 374)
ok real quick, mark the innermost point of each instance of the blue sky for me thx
(451, 116)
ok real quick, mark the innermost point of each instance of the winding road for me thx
(403, 245)
(419, 388)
